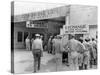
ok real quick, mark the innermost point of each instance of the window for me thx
(19, 39)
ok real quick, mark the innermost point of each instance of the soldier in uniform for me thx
(73, 47)
(50, 45)
(37, 50)
(27, 41)
(64, 49)
(87, 53)
(81, 52)
(94, 51)
(58, 54)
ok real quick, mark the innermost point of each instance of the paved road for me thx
(23, 63)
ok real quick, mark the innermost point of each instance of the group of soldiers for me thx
(77, 54)
(80, 54)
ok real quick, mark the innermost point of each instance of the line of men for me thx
(80, 54)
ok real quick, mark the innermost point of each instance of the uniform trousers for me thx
(37, 59)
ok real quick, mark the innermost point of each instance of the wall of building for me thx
(81, 14)
(53, 28)
(21, 27)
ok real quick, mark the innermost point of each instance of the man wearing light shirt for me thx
(37, 50)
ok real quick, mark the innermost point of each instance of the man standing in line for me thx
(73, 47)
(94, 51)
(87, 53)
(37, 50)
(58, 54)
(27, 41)
(53, 44)
(81, 53)
(50, 45)
(65, 52)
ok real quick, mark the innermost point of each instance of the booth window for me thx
(19, 37)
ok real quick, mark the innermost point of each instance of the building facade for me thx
(49, 22)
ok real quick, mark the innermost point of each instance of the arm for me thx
(41, 46)
(41, 49)
(32, 45)
(66, 47)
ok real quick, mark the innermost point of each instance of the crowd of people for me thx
(76, 53)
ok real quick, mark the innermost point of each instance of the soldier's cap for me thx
(37, 34)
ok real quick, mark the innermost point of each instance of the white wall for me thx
(80, 14)
(92, 32)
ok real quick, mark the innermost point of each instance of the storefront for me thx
(21, 31)
(49, 22)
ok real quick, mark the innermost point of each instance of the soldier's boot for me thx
(38, 67)
(95, 62)
(81, 67)
(85, 66)
(34, 70)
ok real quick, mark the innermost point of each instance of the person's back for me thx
(27, 40)
(87, 45)
(37, 44)
(94, 44)
(53, 41)
(49, 41)
(73, 44)
(57, 45)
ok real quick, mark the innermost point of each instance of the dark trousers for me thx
(65, 57)
(37, 59)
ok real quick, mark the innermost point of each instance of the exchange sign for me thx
(76, 29)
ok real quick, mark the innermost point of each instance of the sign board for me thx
(36, 24)
(28, 24)
(76, 29)
(44, 14)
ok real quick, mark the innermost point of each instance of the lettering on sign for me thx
(76, 29)
(36, 24)
(44, 14)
